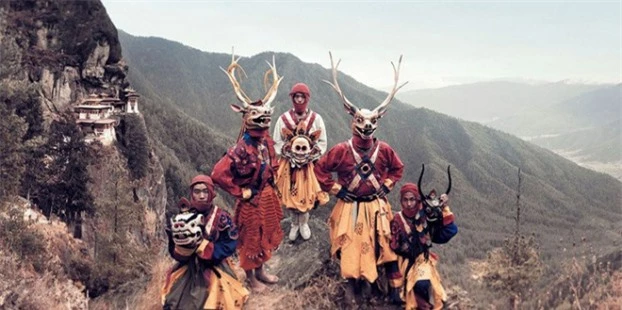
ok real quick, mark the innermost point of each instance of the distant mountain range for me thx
(579, 121)
(593, 144)
(558, 197)
(591, 109)
(61, 51)
(485, 102)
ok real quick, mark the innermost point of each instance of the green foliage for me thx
(21, 239)
(44, 35)
(115, 265)
(118, 258)
(186, 108)
(174, 185)
(35, 174)
(12, 129)
(24, 99)
(184, 149)
(10, 62)
(65, 192)
(515, 267)
(134, 144)
(76, 39)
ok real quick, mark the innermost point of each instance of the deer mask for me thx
(365, 122)
(256, 114)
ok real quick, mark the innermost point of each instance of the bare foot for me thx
(256, 286)
(263, 276)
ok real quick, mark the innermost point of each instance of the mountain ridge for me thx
(484, 160)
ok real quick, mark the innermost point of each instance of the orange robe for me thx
(224, 290)
(299, 187)
(247, 172)
(360, 231)
(405, 231)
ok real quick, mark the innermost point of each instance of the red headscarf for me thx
(304, 89)
(410, 188)
(200, 205)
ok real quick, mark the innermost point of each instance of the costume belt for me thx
(366, 198)
(382, 221)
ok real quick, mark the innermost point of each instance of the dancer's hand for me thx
(346, 195)
(383, 191)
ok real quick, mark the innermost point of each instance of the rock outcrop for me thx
(67, 50)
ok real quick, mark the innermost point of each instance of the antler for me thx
(230, 72)
(421, 195)
(381, 109)
(276, 80)
(351, 108)
(449, 176)
(421, 177)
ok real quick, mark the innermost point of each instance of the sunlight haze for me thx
(442, 43)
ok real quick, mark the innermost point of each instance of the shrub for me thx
(133, 143)
(19, 238)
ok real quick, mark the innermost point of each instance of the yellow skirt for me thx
(299, 188)
(355, 232)
(225, 292)
(422, 270)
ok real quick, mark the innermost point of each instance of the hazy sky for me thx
(442, 43)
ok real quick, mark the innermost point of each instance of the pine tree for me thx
(24, 99)
(12, 129)
(134, 144)
(116, 219)
(35, 174)
(515, 267)
(66, 192)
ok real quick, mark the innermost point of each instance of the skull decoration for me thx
(365, 122)
(256, 114)
(187, 228)
(300, 147)
(432, 200)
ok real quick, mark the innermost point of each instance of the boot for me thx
(394, 296)
(350, 295)
(295, 228)
(305, 230)
(366, 292)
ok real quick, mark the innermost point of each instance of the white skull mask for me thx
(300, 147)
(300, 150)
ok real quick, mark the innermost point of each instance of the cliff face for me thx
(67, 50)
(64, 51)
(70, 48)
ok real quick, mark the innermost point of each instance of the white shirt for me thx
(318, 124)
